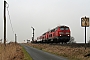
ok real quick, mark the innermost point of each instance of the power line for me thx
(10, 18)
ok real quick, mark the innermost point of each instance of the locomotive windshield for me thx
(64, 28)
(61, 28)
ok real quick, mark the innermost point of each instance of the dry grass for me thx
(26, 54)
(77, 53)
(12, 51)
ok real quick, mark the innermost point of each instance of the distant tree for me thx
(89, 40)
(72, 40)
(0, 40)
(24, 40)
(28, 41)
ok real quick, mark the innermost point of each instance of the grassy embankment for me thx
(26, 55)
(13, 51)
(71, 53)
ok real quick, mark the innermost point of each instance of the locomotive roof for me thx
(61, 26)
(44, 33)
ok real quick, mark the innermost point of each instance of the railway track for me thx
(74, 44)
(69, 44)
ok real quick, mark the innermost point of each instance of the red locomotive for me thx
(56, 35)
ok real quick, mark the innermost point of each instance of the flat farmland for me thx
(70, 51)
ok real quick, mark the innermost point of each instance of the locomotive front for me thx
(64, 34)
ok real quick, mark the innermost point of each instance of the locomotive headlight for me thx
(67, 32)
(68, 35)
(60, 35)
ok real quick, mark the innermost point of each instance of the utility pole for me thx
(15, 38)
(5, 23)
(33, 34)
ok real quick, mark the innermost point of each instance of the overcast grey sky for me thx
(44, 15)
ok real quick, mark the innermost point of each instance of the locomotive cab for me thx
(64, 34)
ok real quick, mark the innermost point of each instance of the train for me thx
(59, 34)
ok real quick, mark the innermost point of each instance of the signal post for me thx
(85, 23)
(33, 33)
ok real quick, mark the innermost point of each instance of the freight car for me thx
(56, 35)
